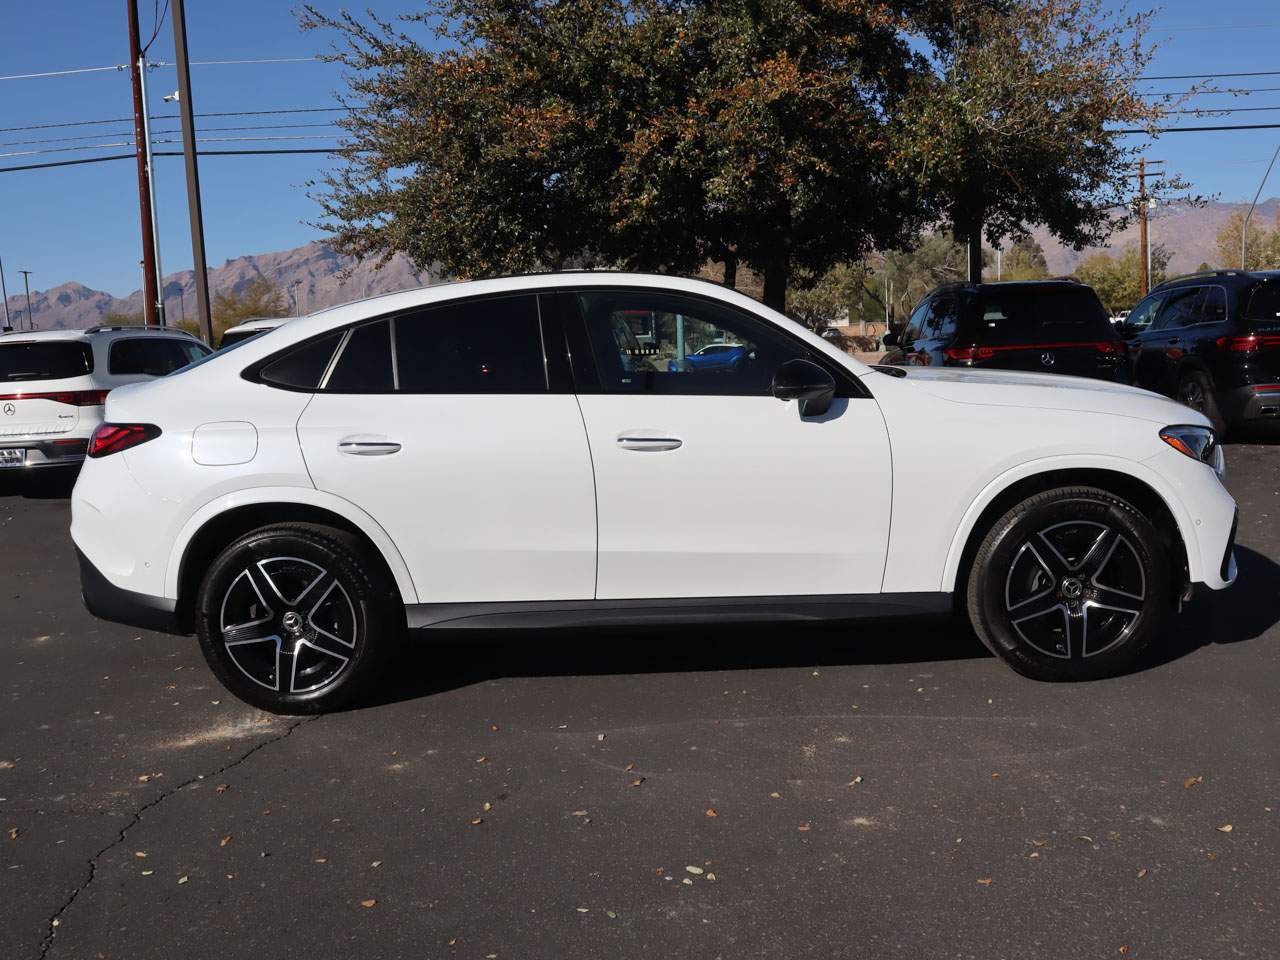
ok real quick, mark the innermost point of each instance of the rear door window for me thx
(364, 366)
(1039, 315)
(151, 356)
(22, 360)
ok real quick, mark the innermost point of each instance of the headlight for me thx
(1198, 443)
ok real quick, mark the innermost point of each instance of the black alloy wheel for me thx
(297, 618)
(1070, 584)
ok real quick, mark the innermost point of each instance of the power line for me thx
(1214, 76)
(176, 153)
(174, 116)
(129, 133)
(130, 143)
(1236, 126)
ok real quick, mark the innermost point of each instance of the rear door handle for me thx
(649, 444)
(367, 446)
(1175, 340)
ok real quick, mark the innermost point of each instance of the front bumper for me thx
(109, 602)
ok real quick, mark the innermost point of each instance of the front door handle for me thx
(367, 446)
(1175, 340)
(649, 444)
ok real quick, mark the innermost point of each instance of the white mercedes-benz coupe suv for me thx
(564, 450)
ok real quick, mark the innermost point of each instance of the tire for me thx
(297, 618)
(1071, 584)
(1195, 390)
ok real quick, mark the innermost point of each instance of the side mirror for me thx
(807, 382)
(890, 339)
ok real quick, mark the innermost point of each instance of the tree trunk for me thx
(776, 276)
(968, 231)
(731, 271)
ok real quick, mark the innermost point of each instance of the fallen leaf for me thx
(599, 738)
(578, 813)
(368, 903)
(805, 827)
(611, 915)
(493, 727)
(1142, 873)
(986, 881)
(13, 833)
(143, 778)
(139, 853)
(696, 871)
(487, 806)
(854, 782)
(630, 766)
(711, 876)
(687, 881)
(1083, 837)
(376, 863)
(1124, 950)
(1038, 843)
(583, 909)
(1190, 782)
(321, 860)
(776, 795)
(637, 781)
(182, 880)
(1225, 828)
(711, 812)
(147, 873)
(223, 788)
(225, 840)
(477, 821)
(6, 764)
(995, 776)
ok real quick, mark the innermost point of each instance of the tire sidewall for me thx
(987, 585)
(339, 558)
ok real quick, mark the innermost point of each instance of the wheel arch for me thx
(1142, 491)
(221, 522)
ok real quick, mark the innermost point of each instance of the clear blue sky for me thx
(81, 223)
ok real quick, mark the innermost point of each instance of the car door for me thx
(1147, 333)
(707, 485)
(442, 424)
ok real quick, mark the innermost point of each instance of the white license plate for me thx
(12, 457)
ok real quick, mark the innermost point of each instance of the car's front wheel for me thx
(1070, 584)
(297, 618)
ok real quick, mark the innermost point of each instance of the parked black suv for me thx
(1049, 326)
(1212, 341)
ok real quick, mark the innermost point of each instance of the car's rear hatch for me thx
(1050, 328)
(43, 385)
(1259, 346)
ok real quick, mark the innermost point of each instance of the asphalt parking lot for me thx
(853, 791)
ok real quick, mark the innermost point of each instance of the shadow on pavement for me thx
(452, 659)
(45, 483)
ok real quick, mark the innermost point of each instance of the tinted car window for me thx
(364, 365)
(1141, 317)
(43, 360)
(698, 347)
(478, 346)
(1264, 302)
(942, 319)
(151, 356)
(1213, 308)
(1012, 315)
(914, 325)
(237, 336)
(1182, 308)
(302, 367)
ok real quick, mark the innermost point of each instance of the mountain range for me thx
(324, 278)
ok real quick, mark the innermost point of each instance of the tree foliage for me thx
(1024, 260)
(1262, 251)
(260, 298)
(1118, 279)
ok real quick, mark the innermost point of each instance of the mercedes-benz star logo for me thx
(10, 409)
(1046, 358)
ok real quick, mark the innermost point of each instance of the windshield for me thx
(44, 360)
(1035, 315)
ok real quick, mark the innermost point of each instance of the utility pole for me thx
(26, 282)
(204, 317)
(144, 174)
(151, 192)
(1142, 218)
(1244, 230)
(4, 295)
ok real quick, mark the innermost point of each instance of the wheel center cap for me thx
(292, 623)
(1072, 588)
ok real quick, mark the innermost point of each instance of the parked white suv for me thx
(501, 453)
(53, 384)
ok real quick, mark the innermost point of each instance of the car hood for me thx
(1047, 391)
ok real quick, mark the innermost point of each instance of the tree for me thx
(117, 318)
(259, 298)
(1118, 279)
(652, 134)
(1024, 261)
(1019, 122)
(1262, 252)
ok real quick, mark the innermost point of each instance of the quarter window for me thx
(648, 342)
(302, 367)
(151, 357)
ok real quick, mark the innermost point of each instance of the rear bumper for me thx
(108, 602)
(1256, 403)
(47, 453)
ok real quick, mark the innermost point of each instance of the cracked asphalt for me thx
(878, 791)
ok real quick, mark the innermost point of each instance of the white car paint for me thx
(493, 497)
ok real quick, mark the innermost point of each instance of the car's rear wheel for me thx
(1195, 390)
(1070, 584)
(297, 618)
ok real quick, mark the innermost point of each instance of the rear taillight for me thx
(969, 354)
(1250, 344)
(76, 398)
(111, 438)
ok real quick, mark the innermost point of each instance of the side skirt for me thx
(549, 614)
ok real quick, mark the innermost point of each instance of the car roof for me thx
(257, 323)
(1230, 276)
(92, 332)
